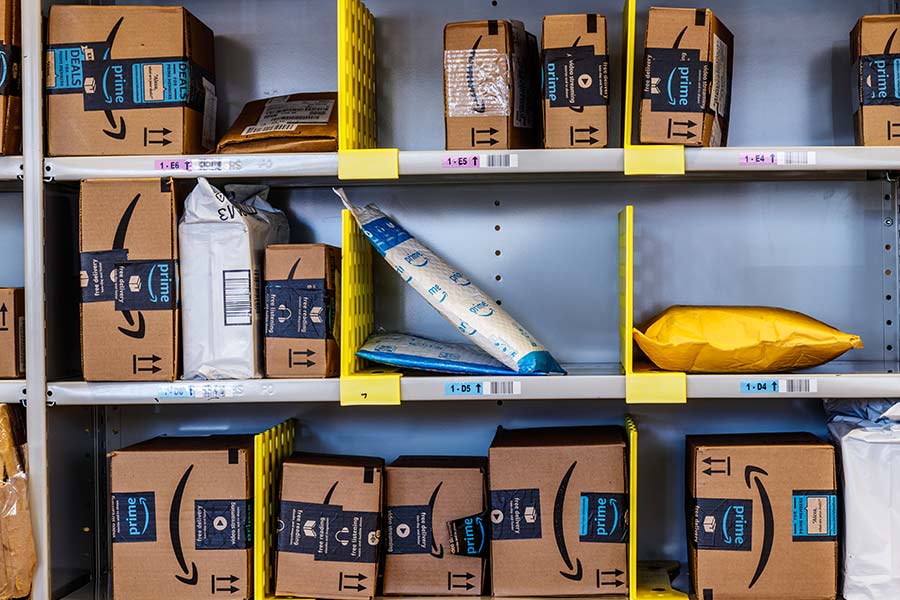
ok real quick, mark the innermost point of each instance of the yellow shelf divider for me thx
(642, 386)
(639, 159)
(647, 580)
(360, 384)
(270, 448)
(358, 157)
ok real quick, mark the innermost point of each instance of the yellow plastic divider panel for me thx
(270, 448)
(359, 386)
(641, 386)
(642, 160)
(632, 438)
(374, 163)
(357, 156)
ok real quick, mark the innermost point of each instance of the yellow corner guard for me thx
(642, 160)
(641, 386)
(632, 440)
(270, 448)
(374, 163)
(359, 384)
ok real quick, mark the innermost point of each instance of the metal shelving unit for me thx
(12, 391)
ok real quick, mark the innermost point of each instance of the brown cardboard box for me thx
(302, 310)
(295, 123)
(875, 52)
(491, 86)
(129, 279)
(576, 81)
(10, 78)
(129, 80)
(12, 333)
(762, 516)
(426, 497)
(329, 546)
(181, 520)
(687, 78)
(559, 512)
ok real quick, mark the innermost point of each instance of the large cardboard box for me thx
(687, 78)
(559, 512)
(875, 52)
(129, 80)
(294, 123)
(12, 333)
(129, 279)
(436, 533)
(181, 522)
(302, 310)
(330, 542)
(10, 78)
(491, 86)
(576, 81)
(762, 517)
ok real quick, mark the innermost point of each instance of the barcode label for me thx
(254, 129)
(797, 386)
(200, 391)
(795, 158)
(236, 294)
(502, 388)
(499, 161)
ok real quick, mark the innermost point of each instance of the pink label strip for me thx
(178, 164)
(753, 159)
(460, 162)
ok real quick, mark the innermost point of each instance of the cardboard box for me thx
(129, 279)
(129, 80)
(875, 52)
(295, 123)
(436, 541)
(762, 516)
(576, 81)
(12, 333)
(181, 522)
(302, 310)
(10, 78)
(559, 512)
(687, 78)
(491, 86)
(330, 544)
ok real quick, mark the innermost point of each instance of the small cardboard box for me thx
(181, 518)
(129, 279)
(875, 52)
(687, 78)
(302, 310)
(10, 78)
(295, 123)
(559, 512)
(129, 80)
(329, 546)
(762, 516)
(12, 333)
(491, 86)
(576, 81)
(436, 533)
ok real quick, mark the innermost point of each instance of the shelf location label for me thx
(207, 165)
(792, 158)
(199, 391)
(483, 388)
(480, 161)
(779, 386)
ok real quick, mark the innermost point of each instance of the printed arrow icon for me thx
(489, 132)
(614, 574)
(709, 471)
(137, 363)
(358, 577)
(468, 576)
(3, 311)
(710, 460)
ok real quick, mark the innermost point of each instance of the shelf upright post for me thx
(33, 210)
(642, 160)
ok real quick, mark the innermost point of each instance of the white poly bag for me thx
(868, 434)
(222, 240)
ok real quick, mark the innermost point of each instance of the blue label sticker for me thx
(385, 234)
(133, 517)
(67, 66)
(146, 285)
(223, 524)
(464, 388)
(515, 514)
(328, 532)
(814, 515)
(760, 386)
(723, 524)
(299, 308)
(409, 529)
(879, 76)
(603, 518)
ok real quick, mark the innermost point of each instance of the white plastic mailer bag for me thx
(222, 239)
(868, 435)
(453, 295)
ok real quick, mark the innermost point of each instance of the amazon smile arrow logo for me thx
(574, 572)
(753, 473)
